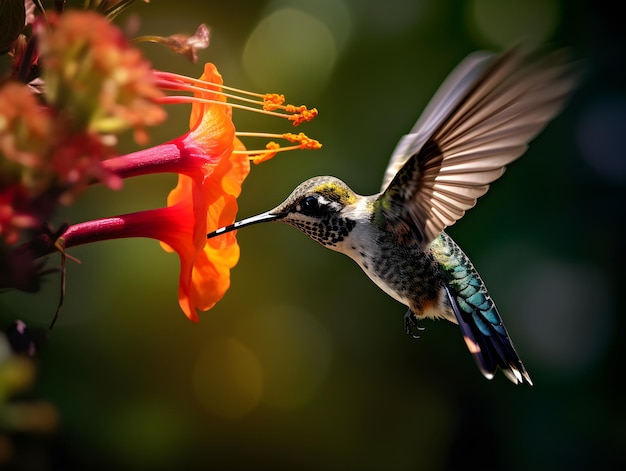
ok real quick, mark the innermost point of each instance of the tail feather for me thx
(483, 331)
(489, 344)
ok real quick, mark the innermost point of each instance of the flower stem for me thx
(141, 224)
(170, 157)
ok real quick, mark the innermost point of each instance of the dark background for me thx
(304, 363)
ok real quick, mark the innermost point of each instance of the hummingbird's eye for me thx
(310, 204)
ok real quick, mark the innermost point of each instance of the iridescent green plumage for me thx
(476, 313)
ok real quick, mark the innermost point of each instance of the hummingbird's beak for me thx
(263, 217)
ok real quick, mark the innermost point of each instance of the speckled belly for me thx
(408, 274)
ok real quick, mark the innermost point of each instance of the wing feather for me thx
(440, 106)
(480, 120)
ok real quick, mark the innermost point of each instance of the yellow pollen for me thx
(272, 148)
(305, 141)
(295, 109)
(272, 101)
(303, 116)
(261, 156)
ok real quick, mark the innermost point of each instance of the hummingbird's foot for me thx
(410, 324)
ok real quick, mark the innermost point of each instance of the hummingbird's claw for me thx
(410, 324)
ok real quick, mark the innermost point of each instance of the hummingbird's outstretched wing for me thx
(480, 120)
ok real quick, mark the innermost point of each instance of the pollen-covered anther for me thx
(295, 109)
(303, 115)
(270, 151)
(273, 101)
(305, 141)
(300, 141)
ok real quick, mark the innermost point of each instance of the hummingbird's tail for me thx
(487, 339)
(483, 331)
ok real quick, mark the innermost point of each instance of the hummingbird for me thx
(480, 120)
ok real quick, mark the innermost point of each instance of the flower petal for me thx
(209, 200)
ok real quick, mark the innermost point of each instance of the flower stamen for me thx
(257, 156)
(267, 103)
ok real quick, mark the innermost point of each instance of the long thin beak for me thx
(263, 217)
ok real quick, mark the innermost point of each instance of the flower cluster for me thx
(75, 83)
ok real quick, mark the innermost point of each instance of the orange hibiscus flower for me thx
(212, 164)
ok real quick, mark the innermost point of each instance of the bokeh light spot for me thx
(601, 134)
(294, 349)
(290, 50)
(558, 311)
(505, 23)
(565, 308)
(228, 378)
(333, 13)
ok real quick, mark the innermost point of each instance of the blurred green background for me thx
(304, 363)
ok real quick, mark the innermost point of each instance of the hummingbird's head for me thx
(321, 207)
